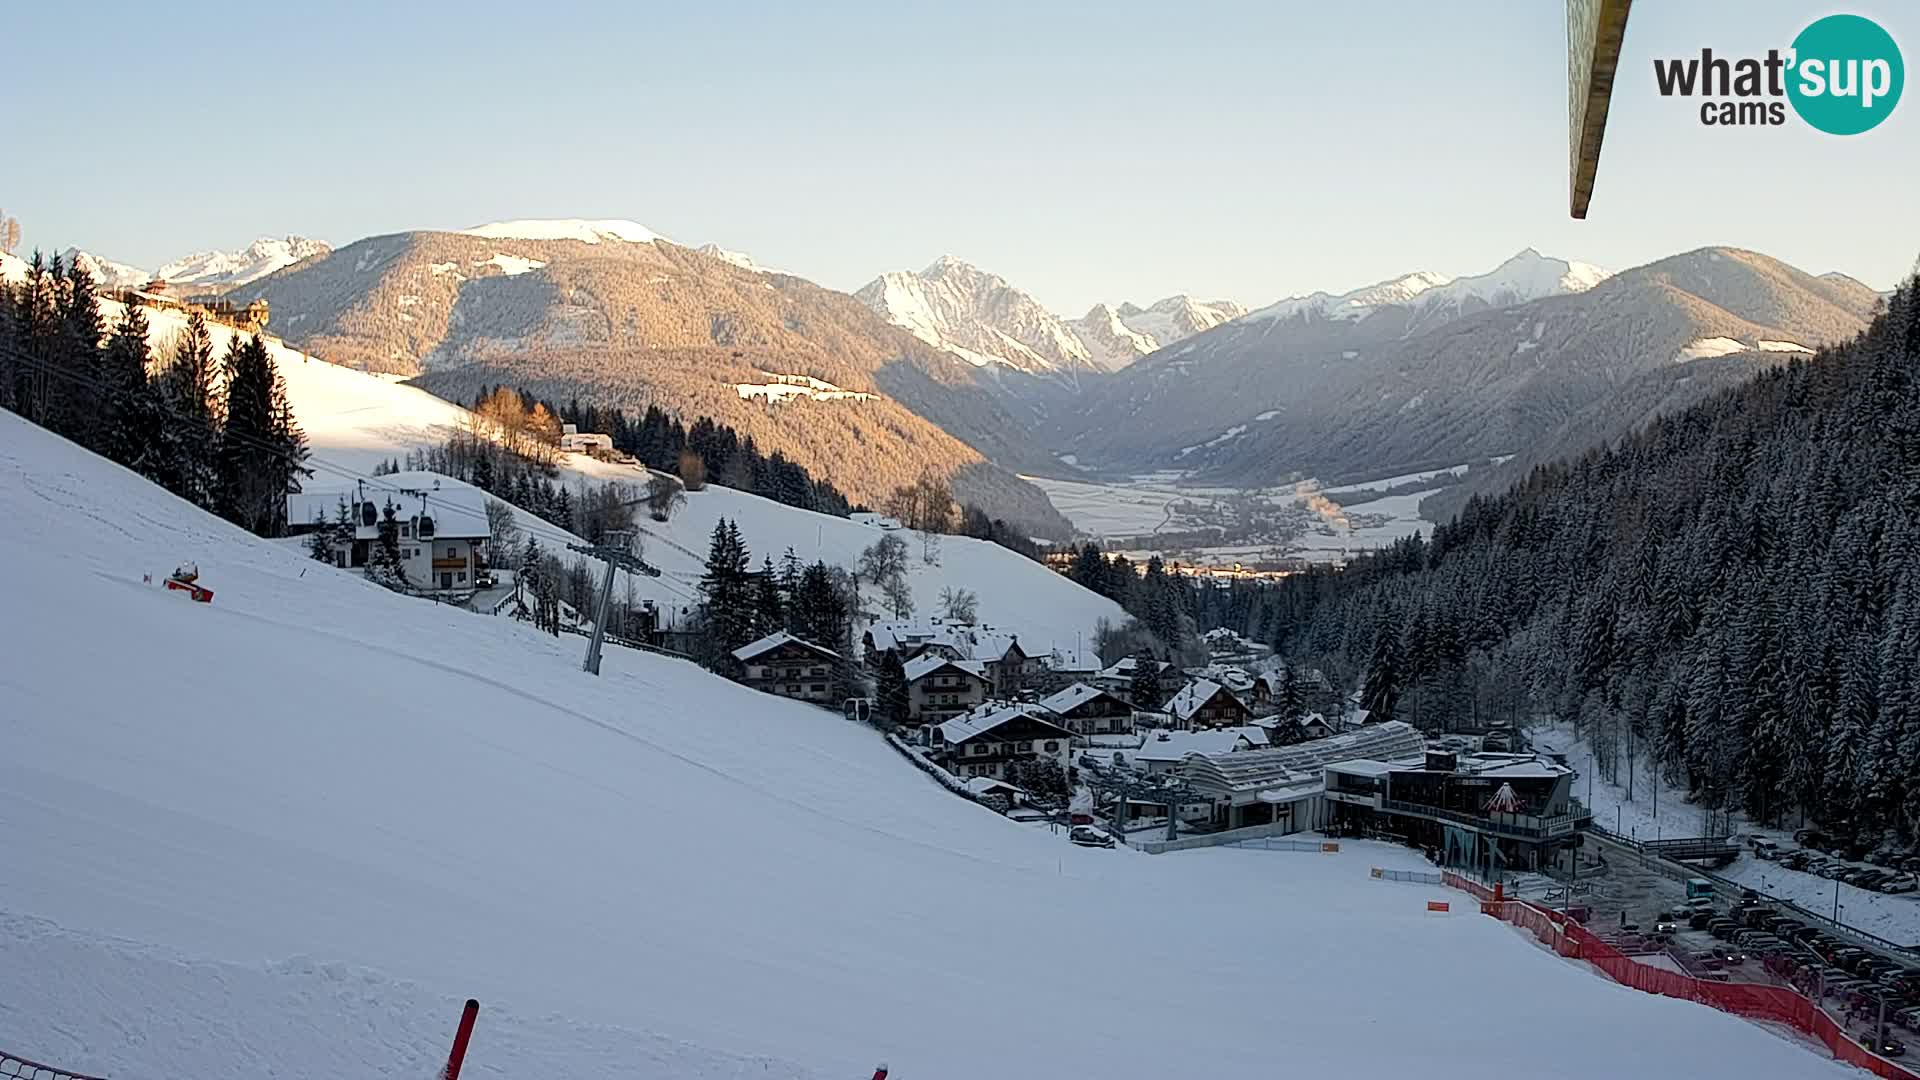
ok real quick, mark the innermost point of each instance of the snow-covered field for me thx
(284, 834)
(1098, 509)
(1143, 504)
(1895, 917)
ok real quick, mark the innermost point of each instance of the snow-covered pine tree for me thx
(1145, 687)
(384, 563)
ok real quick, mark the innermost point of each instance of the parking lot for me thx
(1741, 938)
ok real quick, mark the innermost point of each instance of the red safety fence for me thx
(1775, 1004)
(1466, 884)
(12, 1066)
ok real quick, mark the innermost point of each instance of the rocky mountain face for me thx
(590, 310)
(1423, 371)
(964, 310)
(958, 307)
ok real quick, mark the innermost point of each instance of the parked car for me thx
(1722, 927)
(1089, 836)
(1664, 923)
(1899, 883)
(1883, 1044)
(1910, 864)
(1831, 870)
(1881, 857)
(1805, 837)
(1763, 848)
(1698, 920)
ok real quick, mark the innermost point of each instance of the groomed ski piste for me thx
(288, 832)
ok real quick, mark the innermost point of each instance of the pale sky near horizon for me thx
(1086, 152)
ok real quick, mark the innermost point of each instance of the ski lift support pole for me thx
(617, 551)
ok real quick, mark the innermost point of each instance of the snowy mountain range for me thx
(980, 317)
(1422, 369)
(1526, 276)
(204, 269)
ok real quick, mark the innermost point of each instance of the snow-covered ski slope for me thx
(287, 832)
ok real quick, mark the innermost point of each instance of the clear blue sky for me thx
(1097, 151)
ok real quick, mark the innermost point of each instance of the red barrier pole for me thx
(460, 1037)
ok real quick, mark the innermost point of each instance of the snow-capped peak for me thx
(1358, 303)
(1526, 276)
(978, 316)
(257, 260)
(106, 272)
(582, 229)
(736, 258)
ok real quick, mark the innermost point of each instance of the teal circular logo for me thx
(1846, 74)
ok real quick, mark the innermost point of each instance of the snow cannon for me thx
(186, 578)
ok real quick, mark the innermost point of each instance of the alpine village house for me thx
(784, 665)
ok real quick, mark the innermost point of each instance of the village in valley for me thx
(1142, 752)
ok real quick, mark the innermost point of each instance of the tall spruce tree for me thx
(728, 593)
(247, 473)
(189, 385)
(894, 702)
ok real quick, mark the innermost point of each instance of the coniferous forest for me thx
(1732, 592)
(217, 431)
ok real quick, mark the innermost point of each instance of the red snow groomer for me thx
(186, 579)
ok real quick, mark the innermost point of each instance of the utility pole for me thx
(616, 551)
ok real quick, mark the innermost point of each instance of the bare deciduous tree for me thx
(693, 470)
(664, 496)
(959, 605)
(503, 533)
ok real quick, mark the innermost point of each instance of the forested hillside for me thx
(1735, 589)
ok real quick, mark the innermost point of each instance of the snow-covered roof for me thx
(773, 641)
(458, 510)
(1123, 668)
(987, 785)
(1074, 661)
(1254, 734)
(1071, 698)
(1363, 767)
(990, 716)
(927, 663)
(1283, 766)
(1233, 678)
(1526, 770)
(1192, 698)
(1177, 745)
